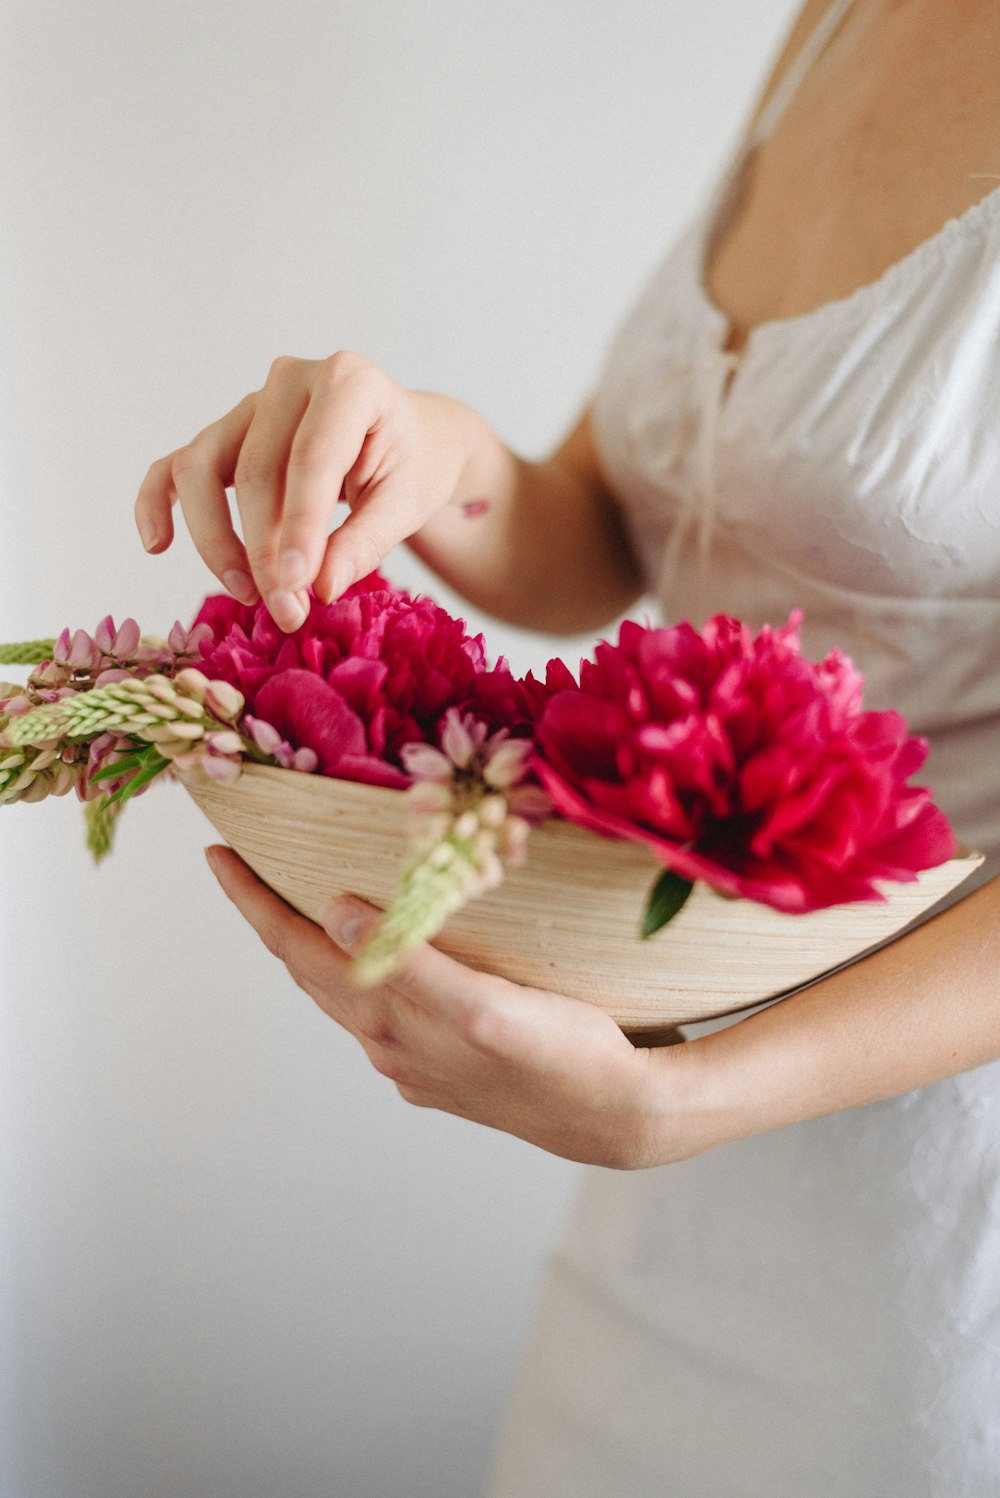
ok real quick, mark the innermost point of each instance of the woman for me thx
(801, 411)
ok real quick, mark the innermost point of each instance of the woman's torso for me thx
(845, 458)
(815, 1311)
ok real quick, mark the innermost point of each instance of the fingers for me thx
(317, 431)
(197, 476)
(201, 471)
(346, 406)
(434, 982)
(364, 540)
(153, 507)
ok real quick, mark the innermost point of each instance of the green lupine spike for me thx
(101, 819)
(427, 895)
(27, 653)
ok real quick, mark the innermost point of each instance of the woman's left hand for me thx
(550, 1069)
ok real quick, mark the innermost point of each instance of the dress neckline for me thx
(983, 211)
(978, 214)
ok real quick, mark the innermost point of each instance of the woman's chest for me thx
(894, 131)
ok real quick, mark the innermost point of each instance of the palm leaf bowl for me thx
(568, 918)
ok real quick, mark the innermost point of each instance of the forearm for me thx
(923, 1008)
(539, 545)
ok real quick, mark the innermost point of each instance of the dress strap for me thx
(797, 70)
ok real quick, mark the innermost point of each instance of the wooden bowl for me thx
(566, 920)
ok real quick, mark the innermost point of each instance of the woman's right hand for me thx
(318, 433)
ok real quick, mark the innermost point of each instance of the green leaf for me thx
(666, 897)
(125, 792)
(120, 767)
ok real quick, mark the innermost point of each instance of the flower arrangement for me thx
(735, 759)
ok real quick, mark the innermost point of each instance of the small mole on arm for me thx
(472, 508)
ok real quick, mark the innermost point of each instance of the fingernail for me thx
(287, 611)
(341, 579)
(343, 922)
(240, 585)
(210, 860)
(150, 535)
(293, 572)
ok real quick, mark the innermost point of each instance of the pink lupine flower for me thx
(741, 763)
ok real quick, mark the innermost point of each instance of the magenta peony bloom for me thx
(741, 763)
(361, 678)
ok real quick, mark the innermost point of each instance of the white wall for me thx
(232, 1262)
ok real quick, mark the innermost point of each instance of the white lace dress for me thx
(814, 1313)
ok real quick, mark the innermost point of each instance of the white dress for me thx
(813, 1313)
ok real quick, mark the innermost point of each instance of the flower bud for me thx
(221, 768)
(466, 826)
(492, 811)
(37, 790)
(224, 741)
(457, 740)
(267, 739)
(428, 798)
(104, 635)
(192, 682)
(177, 638)
(424, 762)
(82, 651)
(305, 760)
(222, 699)
(126, 641)
(507, 764)
(172, 733)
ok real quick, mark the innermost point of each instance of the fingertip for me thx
(346, 919)
(336, 575)
(241, 585)
(148, 533)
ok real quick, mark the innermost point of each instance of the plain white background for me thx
(232, 1262)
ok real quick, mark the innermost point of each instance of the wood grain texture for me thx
(568, 919)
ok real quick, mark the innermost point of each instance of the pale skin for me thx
(840, 192)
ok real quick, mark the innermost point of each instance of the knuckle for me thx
(197, 454)
(379, 1032)
(387, 1065)
(310, 450)
(274, 941)
(413, 1095)
(282, 367)
(253, 467)
(260, 555)
(370, 548)
(487, 1030)
(159, 470)
(345, 366)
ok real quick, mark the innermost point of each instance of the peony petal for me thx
(311, 715)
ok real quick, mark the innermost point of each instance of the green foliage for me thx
(666, 898)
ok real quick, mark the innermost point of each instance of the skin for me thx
(835, 196)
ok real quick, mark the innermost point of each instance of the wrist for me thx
(680, 1092)
(479, 465)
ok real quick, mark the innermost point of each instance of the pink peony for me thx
(741, 763)
(362, 677)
